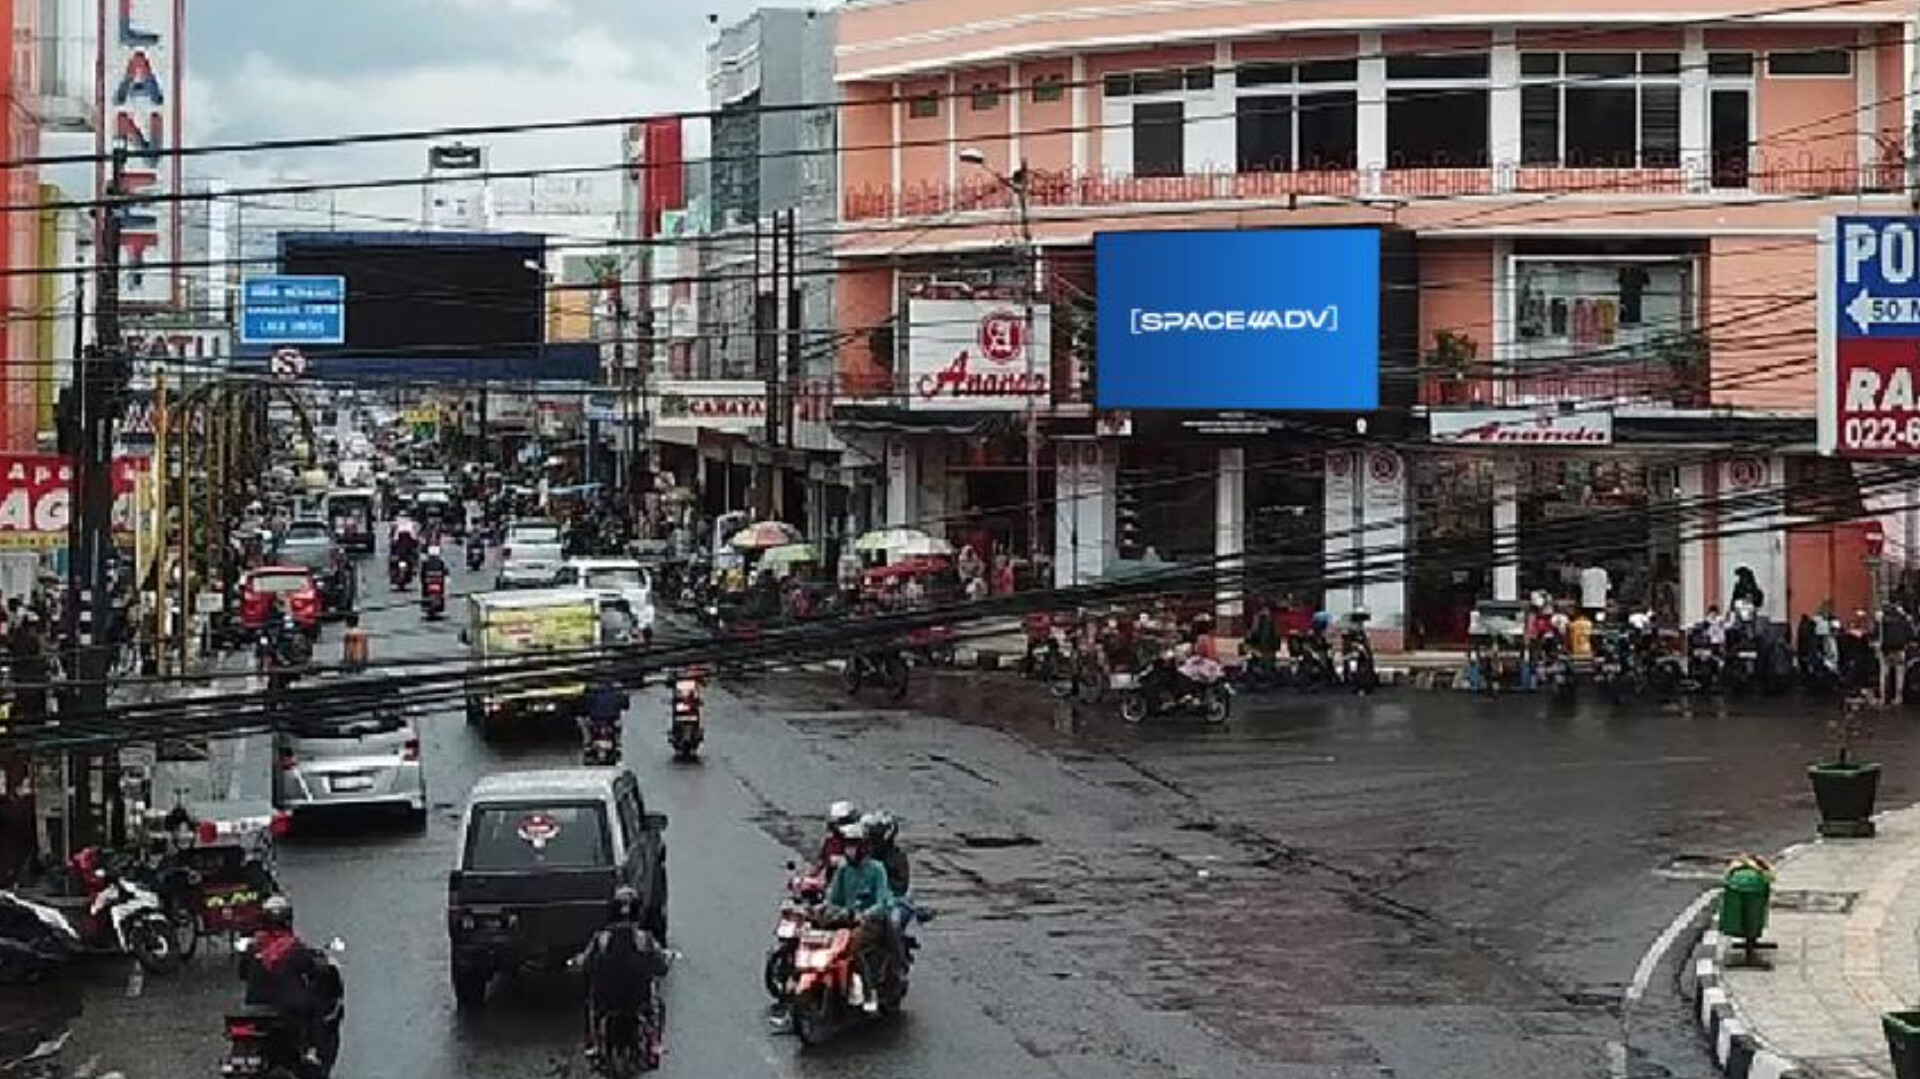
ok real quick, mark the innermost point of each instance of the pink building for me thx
(1613, 212)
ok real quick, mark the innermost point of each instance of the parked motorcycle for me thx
(686, 732)
(1747, 667)
(1357, 670)
(34, 939)
(1706, 661)
(886, 669)
(109, 914)
(261, 1044)
(823, 1001)
(806, 887)
(217, 875)
(1174, 684)
(1313, 666)
(1554, 668)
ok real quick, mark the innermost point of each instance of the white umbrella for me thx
(889, 540)
(925, 547)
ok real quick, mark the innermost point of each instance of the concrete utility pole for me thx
(102, 380)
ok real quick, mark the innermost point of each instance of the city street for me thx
(1328, 887)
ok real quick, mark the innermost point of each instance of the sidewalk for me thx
(1845, 915)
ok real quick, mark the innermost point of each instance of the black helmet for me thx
(625, 904)
(277, 912)
(881, 827)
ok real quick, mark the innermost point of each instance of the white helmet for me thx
(1640, 620)
(842, 813)
(1559, 622)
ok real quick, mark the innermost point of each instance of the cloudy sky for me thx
(263, 69)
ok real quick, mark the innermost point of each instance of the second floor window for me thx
(1159, 138)
(1296, 117)
(1438, 110)
(1616, 110)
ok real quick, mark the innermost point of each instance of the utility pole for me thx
(766, 324)
(1020, 183)
(102, 379)
(628, 429)
(794, 372)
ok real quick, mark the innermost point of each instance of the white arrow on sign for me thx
(1867, 312)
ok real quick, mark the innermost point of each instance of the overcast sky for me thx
(263, 69)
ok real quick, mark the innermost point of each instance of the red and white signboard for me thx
(976, 356)
(36, 498)
(1521, 428)
(139, 92)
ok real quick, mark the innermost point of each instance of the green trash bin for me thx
(1903, 1042)
(1743, 902)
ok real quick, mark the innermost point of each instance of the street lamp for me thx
(1018, 186)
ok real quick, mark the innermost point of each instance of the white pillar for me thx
(1340, 529)
(1504, 103)
(1086, 476)
(1866, 88)
(1693, 548)
(1693, 110)
(1077, 99)
(1384, 508)
(934, 505)
(903, 484)
(1506, 530)
(1230, 535)
(1371, 131)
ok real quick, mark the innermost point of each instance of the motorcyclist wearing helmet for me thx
(883, 835)
(860, 889)
(841, 815)
(622, 963)
(432, 568)
(283, 973)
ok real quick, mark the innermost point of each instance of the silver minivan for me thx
(364, 761)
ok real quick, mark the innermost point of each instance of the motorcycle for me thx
(116, 915)
(1357, 670)
(400, 573)
(476, 553)
(685, 732)
(805, 889)
(1260, 668)
(1745, 669)
(216, 875)
(886, 669)
(1196, 686)
(603, 744)
(1554, 668)
(1313, 667)
(281, 656)
(627, 1044)
(1706, 661)
(433, 597)
(261, 1044)
(1612, 669)
(34, 939)
(821, 1003)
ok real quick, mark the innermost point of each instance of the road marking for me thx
(1650, 962)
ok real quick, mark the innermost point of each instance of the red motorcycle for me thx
(825, 963)
(433, 596)
(805, 888)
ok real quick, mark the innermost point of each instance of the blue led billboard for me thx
(1267, 320)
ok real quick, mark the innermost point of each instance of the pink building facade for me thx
(1613, 211)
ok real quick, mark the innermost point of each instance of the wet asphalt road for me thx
(1414, 884)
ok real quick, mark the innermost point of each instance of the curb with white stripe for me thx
(1736, 1049)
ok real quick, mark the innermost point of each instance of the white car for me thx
(614, 578)
(530, 554)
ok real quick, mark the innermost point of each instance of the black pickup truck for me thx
(541, 853)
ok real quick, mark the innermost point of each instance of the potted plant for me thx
(1844, 788)
(1903, 1042)
(1449, 357)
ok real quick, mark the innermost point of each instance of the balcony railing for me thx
(1788, 174)
(1646, 384)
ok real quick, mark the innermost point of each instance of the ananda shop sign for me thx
(975, 355)
(1521, 428)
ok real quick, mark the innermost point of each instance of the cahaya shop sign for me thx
(36, 498)
(738, 406)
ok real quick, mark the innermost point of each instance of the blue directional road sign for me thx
(1870, 337)
(293, 309)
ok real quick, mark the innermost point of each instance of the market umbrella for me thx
(890, 541)
(924, 547)
(764, 535)
(783, 559)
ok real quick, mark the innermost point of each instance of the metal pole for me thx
(186, 535)
(162, 431)
(1032, 253)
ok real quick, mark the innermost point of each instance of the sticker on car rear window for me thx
(538, 829)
